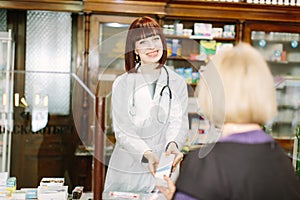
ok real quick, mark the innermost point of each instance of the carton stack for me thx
(4, 193)
(52, 189)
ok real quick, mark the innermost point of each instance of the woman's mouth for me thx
(152, 53)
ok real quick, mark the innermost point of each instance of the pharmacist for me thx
(149, 110)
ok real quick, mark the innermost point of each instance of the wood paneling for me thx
(53, 5)
(228, 11)
(125, 7)
(268, 27)
(165, 8)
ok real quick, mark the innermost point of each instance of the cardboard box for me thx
(52, 182)
(52, 192)
(203, 29)
(31, 193)
(18, 195)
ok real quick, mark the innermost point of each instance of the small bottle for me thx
(77, 192)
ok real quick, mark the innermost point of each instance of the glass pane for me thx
(112, 39)
(41, 143)
(282, 53)
(48, 49)
(3, 20)
(6, 98)
(280, 49)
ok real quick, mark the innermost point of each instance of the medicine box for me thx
(164, 169)
(31, 193)
(203, 29)
(52, 181)
(18, 195)
(52, 192)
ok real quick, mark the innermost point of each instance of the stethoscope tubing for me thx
(167, 86)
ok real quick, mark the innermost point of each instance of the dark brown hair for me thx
(142, 28)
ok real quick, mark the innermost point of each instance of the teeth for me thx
(152, 53)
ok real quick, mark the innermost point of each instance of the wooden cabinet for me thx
(46, 153)
(279, 44)
(53, 5)
(190, 46)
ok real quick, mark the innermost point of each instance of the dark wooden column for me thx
(85, 96)
(99, 146)
(99, 120)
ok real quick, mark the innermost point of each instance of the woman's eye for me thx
(156, 38)
(142, 42)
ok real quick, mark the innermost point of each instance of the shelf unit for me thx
(279, 44)
(239, 14)
(191, 53)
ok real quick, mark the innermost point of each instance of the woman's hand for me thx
(169, 191)
(152, 161)
(172, 149)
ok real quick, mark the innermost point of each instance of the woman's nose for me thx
(151, 45)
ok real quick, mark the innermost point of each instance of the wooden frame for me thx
(51, 5)
(126, 7)
(266, 26)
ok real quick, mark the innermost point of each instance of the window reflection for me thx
(112, 39)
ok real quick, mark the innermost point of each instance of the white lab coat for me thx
(137, 128)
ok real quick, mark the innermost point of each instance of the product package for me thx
(164, 168)
(208, 47)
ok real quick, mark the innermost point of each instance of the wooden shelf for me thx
(288, 107)
(199, 37)
(222, 39)
(184, 58)
(283, 62)
(176, 36)
(275, 41)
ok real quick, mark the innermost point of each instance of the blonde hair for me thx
(246, 93)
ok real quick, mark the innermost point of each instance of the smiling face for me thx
(149, 49)
(145, 44)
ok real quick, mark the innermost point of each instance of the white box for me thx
(164, 168)
(3, 178)
(18, 195)
(217, 32)
(52, 192)
(31, 193)
(202, 29)
(52, 182)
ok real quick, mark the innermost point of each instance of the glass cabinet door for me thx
(6, 100)
(106, 62)
(280, 49)
(282, 53)
(107, 44)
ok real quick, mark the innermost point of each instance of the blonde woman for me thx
(245, 163)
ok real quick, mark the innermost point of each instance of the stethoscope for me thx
(165, 87)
